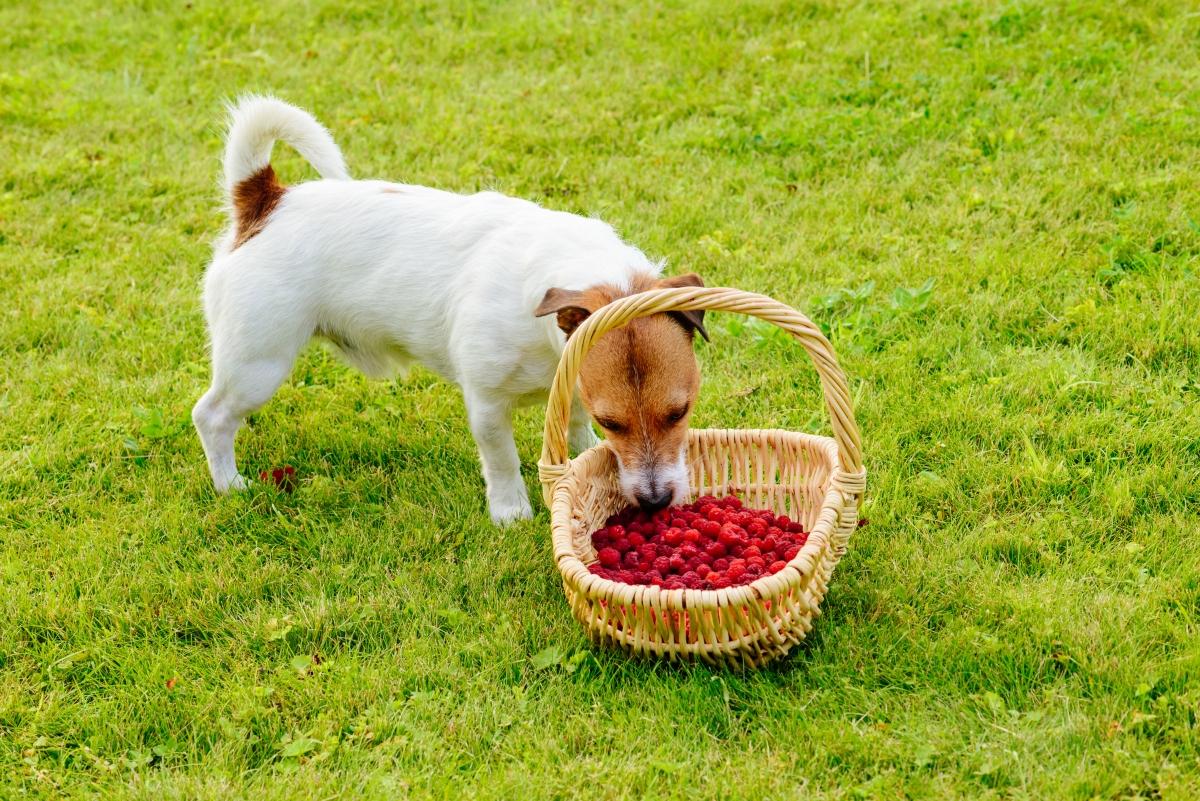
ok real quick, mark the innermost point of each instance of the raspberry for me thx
(707, 544)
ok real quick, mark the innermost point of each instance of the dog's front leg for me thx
(491, 425)
(580, 434)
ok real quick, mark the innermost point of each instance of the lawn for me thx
(992, 208)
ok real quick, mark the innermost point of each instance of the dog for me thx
(481, 289)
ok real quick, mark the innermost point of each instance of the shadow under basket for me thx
(815, 480)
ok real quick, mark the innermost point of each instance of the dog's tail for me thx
(254, 125)
(251, 189)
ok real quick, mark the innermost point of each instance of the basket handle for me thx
(553, 464)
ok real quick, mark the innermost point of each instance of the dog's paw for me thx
(235, 484)
(510, 510)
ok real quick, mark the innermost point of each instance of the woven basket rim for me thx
(765, 587)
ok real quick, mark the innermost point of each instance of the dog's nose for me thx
(652, 502)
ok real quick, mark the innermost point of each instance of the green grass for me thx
(991, 207)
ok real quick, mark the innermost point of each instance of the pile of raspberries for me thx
(710, 544)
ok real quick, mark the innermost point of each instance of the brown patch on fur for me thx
(253, 201)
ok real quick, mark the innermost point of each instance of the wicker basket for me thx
(815, 480)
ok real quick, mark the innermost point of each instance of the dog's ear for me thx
(691, 320)
(568, 305)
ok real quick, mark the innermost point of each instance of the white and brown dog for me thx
(393, 273)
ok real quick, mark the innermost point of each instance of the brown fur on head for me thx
(639, 383)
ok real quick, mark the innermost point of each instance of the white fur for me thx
(392, 273)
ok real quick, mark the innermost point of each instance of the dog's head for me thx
(639, 382)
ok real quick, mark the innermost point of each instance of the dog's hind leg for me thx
(242, 383)
(491, 425)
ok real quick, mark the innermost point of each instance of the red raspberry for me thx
(755, 561)
(752, 551)
(691, 535)
(736, 569)
(783, 521)
(703, 570)
(732, 502)
(715, 549)
(729, 535)
(719, 581)
(663, 565)
(795, 527)
(636, 539)
(690, 580)
(621, 544)
(769, 543)
(777, 566)
(776, 532)
(616, 532)
(673, 583)
(720, 565)
(694, 562)
(672, 536)
(609, 557)
(708, 510)
(756, 528)
(679, 522)
(790, 553)
(709, 527)
(678, 563)
(630, 560)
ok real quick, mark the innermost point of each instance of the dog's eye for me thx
(678, 414)
(611, 426)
